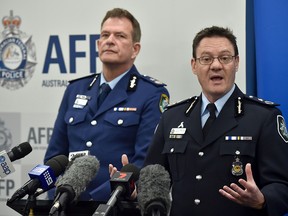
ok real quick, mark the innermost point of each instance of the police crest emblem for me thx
(17, 54)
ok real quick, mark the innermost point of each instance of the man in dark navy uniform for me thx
(237, 166)
(122, 122)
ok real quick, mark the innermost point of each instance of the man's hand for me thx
(251, 195)
(112, 169)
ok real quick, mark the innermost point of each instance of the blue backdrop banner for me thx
(271, 51)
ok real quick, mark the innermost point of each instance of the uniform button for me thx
(120, 121)
(71, 119)
(201, 154)
(89, 144)
(237, 152)
(197, 201)
(94, 122)
(199, 177)
(172, 150)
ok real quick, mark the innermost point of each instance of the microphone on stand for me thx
(78, 174)
(6, 158)
(41, 176)
(154, 191)
(122, 184)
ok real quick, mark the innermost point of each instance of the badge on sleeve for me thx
(282, 129)
(163, 103)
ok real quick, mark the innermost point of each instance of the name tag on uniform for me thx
(78, 154)
(177, 133)
(81, 101)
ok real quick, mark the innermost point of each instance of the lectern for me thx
(82, 208)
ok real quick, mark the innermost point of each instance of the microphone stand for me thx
(30, 204)
(156, 213)
(156, 208)
(60, 204)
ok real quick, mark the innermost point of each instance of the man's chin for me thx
(109, 61)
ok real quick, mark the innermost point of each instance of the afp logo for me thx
(17, 54)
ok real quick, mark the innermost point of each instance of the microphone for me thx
(154, 191)
(79, 172)
(16, 153)
(42, 176)
(122, 184)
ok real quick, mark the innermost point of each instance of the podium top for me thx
(82, 208)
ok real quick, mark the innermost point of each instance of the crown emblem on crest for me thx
(11, 21)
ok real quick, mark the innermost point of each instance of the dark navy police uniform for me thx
(247, 130)
(124, 123)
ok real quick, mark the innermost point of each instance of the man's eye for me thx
(104, 35)
(206, 59)
(224, 58)
(120, 36)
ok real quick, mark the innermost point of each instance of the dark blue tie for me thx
(104, 91)
(211, 108)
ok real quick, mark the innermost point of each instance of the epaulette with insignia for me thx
(153, 80)
(261, 101)
(192, 101)
(85, 77)
(80, 78)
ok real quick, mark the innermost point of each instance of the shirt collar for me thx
(219, 103)
(113, 82)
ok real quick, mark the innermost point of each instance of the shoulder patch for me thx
(153, 80)
(282, 129)
(261, 101)
(163, 103)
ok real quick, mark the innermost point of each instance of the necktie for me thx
(104, 91)
(211, 108)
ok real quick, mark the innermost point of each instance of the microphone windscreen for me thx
(80, 172)
(57, 164)
(153, 188)
(20, 151)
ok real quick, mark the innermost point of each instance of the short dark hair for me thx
(211, 32)
(122, 13)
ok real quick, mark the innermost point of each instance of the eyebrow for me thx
(221, 52)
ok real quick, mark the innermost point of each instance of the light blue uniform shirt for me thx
(113, 82)
(219, 105)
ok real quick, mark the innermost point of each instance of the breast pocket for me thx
(242, 148)
(74, 118)
(175, 151)
(122, 119)
(236, 154)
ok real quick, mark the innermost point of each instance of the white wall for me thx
(168, 28)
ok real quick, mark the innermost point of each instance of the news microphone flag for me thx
(44, 174)
(6, 165)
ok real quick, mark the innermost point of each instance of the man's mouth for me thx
(216, 78)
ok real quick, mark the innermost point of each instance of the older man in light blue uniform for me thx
(125, 121)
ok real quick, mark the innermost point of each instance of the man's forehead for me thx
(117, 22)
(212, 44)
